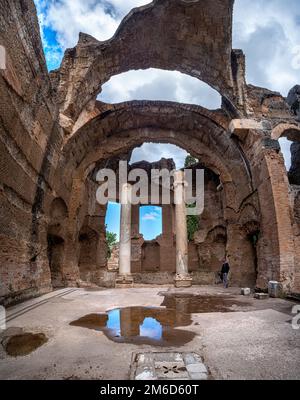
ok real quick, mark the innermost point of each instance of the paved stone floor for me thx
(168, 366)
(250, 341)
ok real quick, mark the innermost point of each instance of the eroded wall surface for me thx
(53, 132)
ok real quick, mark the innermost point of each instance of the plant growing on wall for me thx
(111, 240)
(192, 224)
(189, 161)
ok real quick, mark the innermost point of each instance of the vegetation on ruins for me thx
(111, 240)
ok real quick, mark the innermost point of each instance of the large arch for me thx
(143, 121)
(54, 132)
(201, 48)
(123, 127)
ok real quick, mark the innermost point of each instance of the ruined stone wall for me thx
(47, 202)
(211, 237)
(154, 261)
(294, 173)
(295, 204)
(150, 256)
(92, 246)
(29, 147)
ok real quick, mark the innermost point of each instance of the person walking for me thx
(224, 273)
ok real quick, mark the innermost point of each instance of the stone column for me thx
(182, 279)
(124, 279)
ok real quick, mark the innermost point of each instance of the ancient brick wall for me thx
(29, 140)
(53, 133)
(295, 204)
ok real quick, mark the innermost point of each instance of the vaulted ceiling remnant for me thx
(193, 37)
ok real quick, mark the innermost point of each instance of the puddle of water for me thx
(140, 325)
(23, 344)
(197, 304)
(157, 326)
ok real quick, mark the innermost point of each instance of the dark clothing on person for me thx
(224, 274)
(225, 268)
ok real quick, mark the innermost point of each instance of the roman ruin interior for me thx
(55, 134)
(73, 307)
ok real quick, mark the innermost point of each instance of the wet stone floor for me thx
(157, 326)
(24, 343)
(147, 332)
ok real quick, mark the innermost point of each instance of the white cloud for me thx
(152, 216)
(154, 84)
(69, 17)
(124, 7)
(155, 151)
(285, 145)
(99, 18)
(53, 51)
(268, 32)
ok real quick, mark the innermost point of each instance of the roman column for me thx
(182, 278)
(124, 278)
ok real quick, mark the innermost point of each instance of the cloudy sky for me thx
(268, 31)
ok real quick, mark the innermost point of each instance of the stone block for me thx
(245, 291)
(124, 282)
(261, 296)
(196, 368)
(183, 281)
(168, 366)
(192, 358)
(241, 127)
(145, 373)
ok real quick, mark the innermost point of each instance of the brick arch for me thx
(123, 127)
(128, 125)
(292, 132)
(288, 130)
(202, 48)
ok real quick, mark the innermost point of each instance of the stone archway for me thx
(131, 124)
(205, 53)
(54, 131)
(291, 131)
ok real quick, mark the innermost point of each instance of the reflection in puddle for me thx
(196, 304)
(156, 326)
(140, 325)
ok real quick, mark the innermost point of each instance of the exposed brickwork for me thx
(53, 134)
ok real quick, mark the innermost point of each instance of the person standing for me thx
(224, 273)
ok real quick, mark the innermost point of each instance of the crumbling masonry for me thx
(55, 134)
